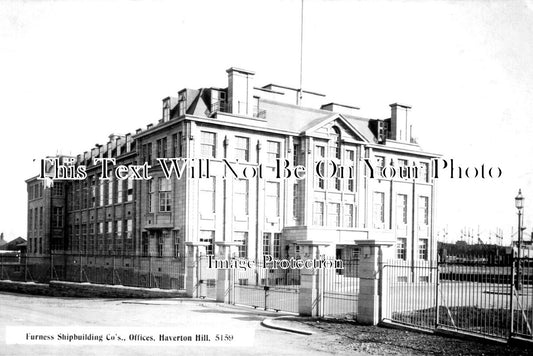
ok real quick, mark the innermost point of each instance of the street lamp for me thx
(519, 203)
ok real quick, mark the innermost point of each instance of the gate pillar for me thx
(196, 264)
(373, 254)
(309, 298)
(225, 290)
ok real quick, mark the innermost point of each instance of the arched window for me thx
(335, 142)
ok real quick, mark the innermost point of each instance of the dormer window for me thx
(182, 103)
(166, 109)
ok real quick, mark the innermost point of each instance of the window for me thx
(100, 228)
(380, 163)
(273, 153)
(295, 156)
(41, 221)
(272, 198)
(424, 171)
(175, 152)
(165, 201)
(176, 238)
(150, 185)
(295, 201)
(110, 189)
(147, 153)
(242, 148)
(241, 197)
(30, 219)
(320, 152)
(207, 195)
(101, 193)
(182, 103)
(129, 228)
(401, 248)
(109, 227)
(93, 192)
(334, 142)
(318, 213)
(120, 190)
(160, 245)
(334, 214)
(57, 189)
(401, 209)
(208, 144)
(266, 243)
(162, 147)
(423, 210)
(179, 146)
(36, 219)
(348, 215)
(209, 237)
(130, 188)
(350, 162)
(166, 109)
(145, 243)
(242, 237)
(379, 210)
(277, 245)
(57, 217)
(423, 249)
(118, 229)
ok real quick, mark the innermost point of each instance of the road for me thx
(180, 315)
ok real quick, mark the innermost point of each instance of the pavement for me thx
(176, 316)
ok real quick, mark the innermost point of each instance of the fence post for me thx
(2, 266)
(81, 268)
(51, 266)
(225, 280)
(309, 295)
(437, 295)
(149, 271)
(373, 254)
(25, 268)
(113, 271)
(511, 296)
(192, 261)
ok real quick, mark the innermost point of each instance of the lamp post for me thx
(519, 203)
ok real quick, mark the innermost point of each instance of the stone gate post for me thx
(226, 251)
(195, 262)
(309, 298)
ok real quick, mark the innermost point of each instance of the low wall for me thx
(87, 290)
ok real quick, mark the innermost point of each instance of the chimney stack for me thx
(240, 91)
(400, 127)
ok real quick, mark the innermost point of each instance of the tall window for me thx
(120, 190)
(118, 229)
(334, 142)
(162, 148)
(176, 238)
(379, 210)
(130, 188)
(207, 195)
(348, 215)
(129, 228)
(423, 210)
(242, 238)
(423, 249)
(110, 189)
(334, 214)
(350, 162)
(401, 248)
(401, 209)
(320, 153)
(277, 245)
(182, 103)
(424, 171)
(175, 145)
(150, 185)
(160, 245)
(272, 198)
(147, 153)
(209, 237)
(166, 109)
(57, 217)
(266, 243)
(318, 213)
(242, 149)
(102, 192)
(273, 153)
(208, 144)
(165, 201)
(241, 196)
(295, 201)
(41, 221)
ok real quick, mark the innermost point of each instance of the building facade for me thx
(366, 179)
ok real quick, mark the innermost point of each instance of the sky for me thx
(73, 72)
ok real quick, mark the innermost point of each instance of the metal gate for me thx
(268, 289)
(339, 290)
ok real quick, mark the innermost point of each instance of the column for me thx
(309, 298)
(373, 254)
(226, 251)
(196, 263)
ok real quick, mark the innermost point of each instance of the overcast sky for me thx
(73, 72)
